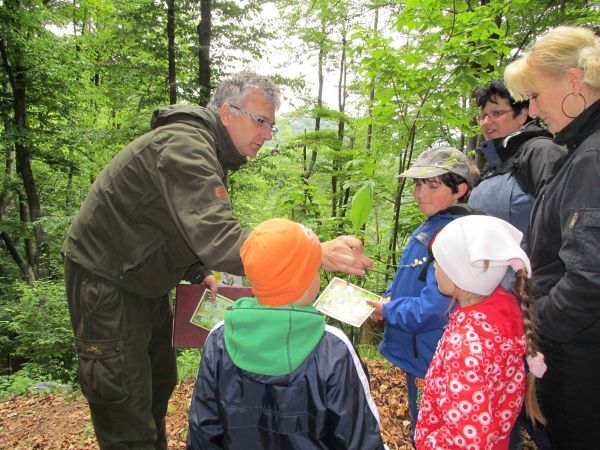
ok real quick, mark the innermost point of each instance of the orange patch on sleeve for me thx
(221, 193)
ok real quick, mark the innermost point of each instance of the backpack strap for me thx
(460, 209)
(423, 274)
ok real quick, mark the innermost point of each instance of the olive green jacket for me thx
(160, 208)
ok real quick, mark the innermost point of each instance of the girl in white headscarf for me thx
(476, 383)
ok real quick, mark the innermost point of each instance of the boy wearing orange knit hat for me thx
(273, 375)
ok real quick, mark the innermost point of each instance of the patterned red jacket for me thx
(475, 385)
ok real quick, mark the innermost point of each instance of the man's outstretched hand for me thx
(344, 254)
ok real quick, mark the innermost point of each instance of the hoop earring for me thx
(562, 105)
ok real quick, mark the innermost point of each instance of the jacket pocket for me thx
(582, 240)
(101, 370)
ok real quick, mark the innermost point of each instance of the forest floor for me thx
(54, 421)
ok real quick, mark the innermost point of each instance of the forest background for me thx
(80, 79)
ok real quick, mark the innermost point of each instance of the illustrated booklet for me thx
(210, 312)
(345, 302)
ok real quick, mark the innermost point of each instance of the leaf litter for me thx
(62, 422)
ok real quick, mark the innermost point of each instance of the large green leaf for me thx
(362, 204)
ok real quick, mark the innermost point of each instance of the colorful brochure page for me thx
(346, 302)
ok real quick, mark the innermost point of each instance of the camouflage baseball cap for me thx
(438, 161)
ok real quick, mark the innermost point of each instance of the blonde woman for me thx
(560, 74)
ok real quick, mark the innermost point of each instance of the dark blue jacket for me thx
(417, 312)
(324, 403)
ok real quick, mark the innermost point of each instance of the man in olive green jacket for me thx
(159, 213)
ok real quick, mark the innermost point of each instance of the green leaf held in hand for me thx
(360, 209)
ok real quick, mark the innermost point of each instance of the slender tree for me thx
(16, 72)
(204, 31)
(171, 51)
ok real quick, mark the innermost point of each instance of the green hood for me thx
(271, 340)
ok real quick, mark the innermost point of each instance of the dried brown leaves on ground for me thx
(63, 421)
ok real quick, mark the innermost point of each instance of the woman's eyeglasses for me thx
(493, 114)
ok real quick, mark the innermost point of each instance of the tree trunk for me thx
(23, 265)
(171, 51)
(393, 246)
(5, 196)
(372, 92)
(337, 164)
(204, 33)
(320, 76)
(18, 81)
(371, 331)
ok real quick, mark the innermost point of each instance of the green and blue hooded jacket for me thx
(279, 377)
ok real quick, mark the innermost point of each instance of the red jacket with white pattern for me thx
(475, 385)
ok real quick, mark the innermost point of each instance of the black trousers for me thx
(127, 365)
(570, 392)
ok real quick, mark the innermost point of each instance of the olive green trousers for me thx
(127, 365)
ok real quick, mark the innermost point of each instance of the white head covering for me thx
(462, 247)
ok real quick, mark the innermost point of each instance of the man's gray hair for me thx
(235, 89)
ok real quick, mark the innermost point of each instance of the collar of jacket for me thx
(271, 340)
(228, 155)
(580, 128)
(463, 209)
(506, 147)
(502, 312)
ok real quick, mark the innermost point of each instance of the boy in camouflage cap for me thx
(414, 311)
(438, 161)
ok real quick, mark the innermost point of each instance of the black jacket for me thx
(529, 154)
(321, 401)
(565, 237)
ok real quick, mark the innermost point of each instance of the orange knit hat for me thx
(280, 260)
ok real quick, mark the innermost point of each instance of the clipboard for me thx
(187, 297)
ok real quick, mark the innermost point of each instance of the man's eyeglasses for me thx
(492, 115)
(261, 121)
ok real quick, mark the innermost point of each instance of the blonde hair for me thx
(554, 54)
